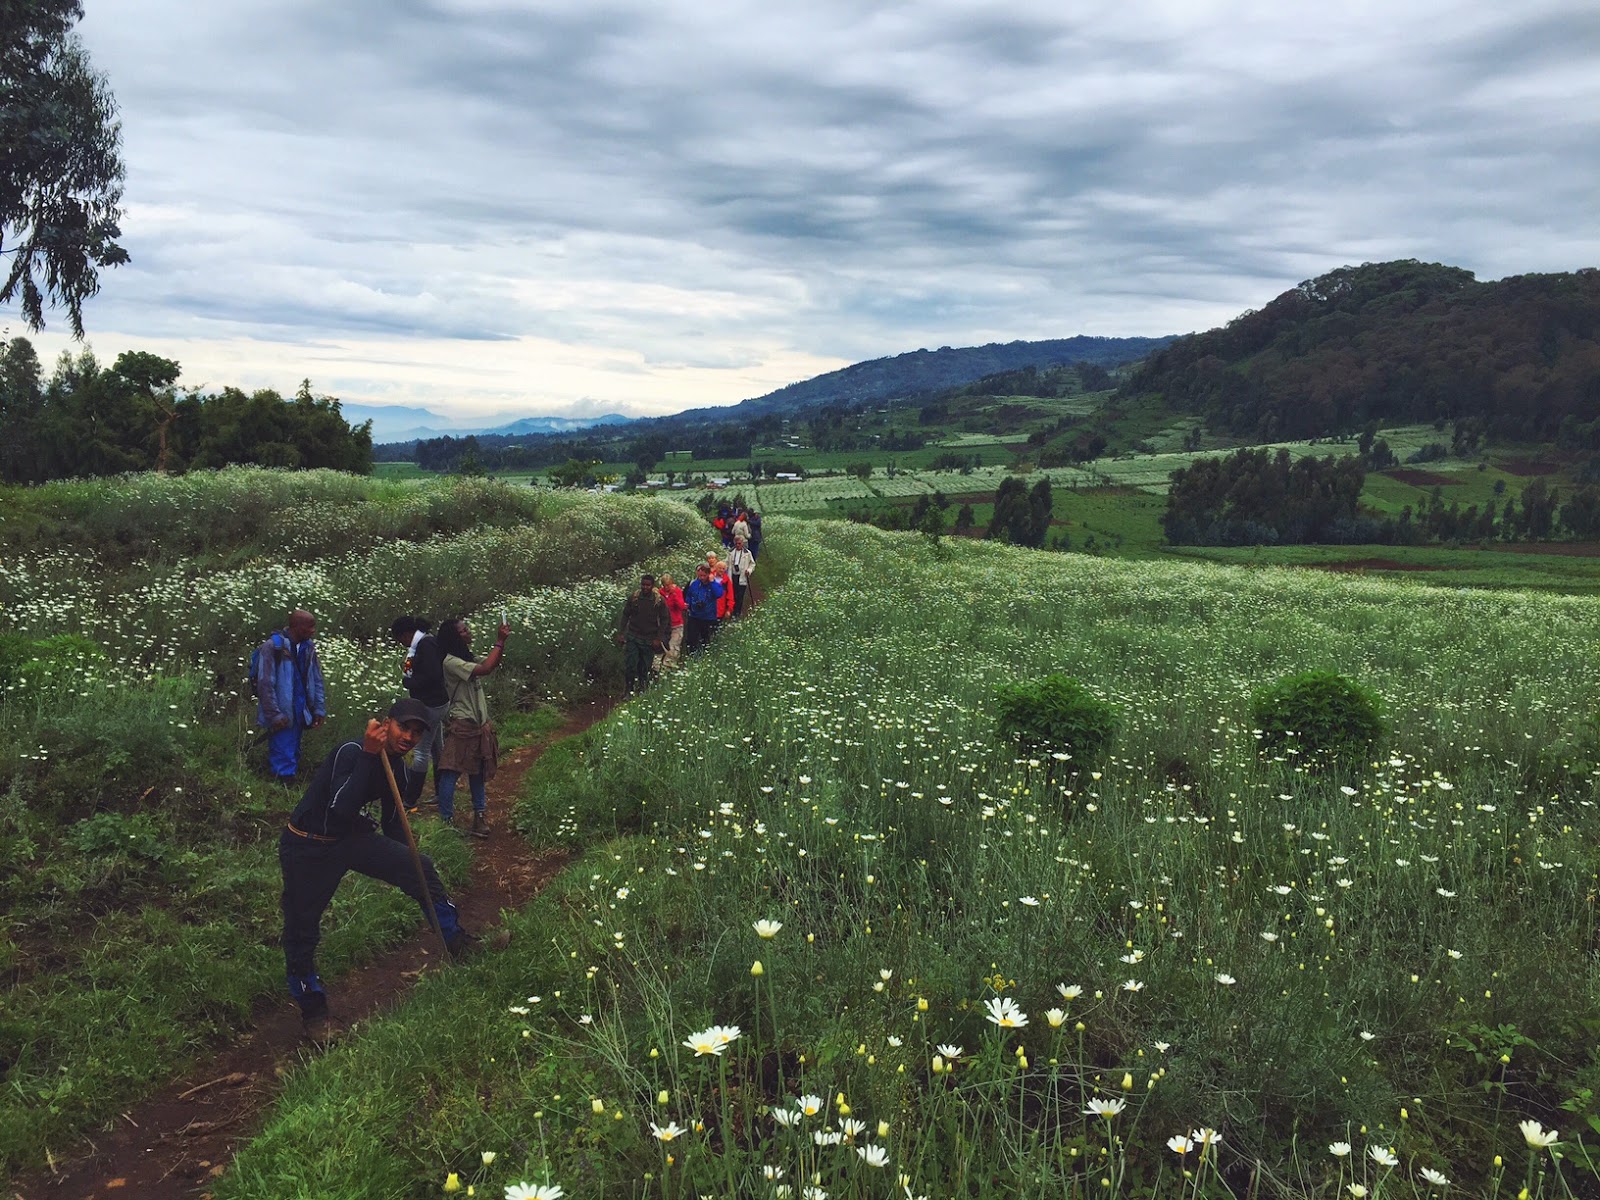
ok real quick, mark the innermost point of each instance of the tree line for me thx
(1256, 497)
(86, 419)
(1021, 514)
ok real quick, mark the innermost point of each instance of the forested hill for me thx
(922, 371)
(1397, 342)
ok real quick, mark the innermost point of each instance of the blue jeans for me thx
(427, 751)
(447, 794)
(283, 751)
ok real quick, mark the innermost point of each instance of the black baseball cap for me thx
(408, 709)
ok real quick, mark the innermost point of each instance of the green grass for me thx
(399, 470)
(1517, 567)
(1314, 957)
(141, 884)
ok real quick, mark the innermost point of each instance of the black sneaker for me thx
(480, 825)
(462, 945)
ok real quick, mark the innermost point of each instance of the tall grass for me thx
(140, 879)
(977, 951)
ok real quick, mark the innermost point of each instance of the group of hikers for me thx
(661, 622)
(443, 721)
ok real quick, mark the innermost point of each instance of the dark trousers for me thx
(697, 634)
(312, 871)
(637, 656)
(741, 589)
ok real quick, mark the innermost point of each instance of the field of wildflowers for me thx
(831, 937)
(140, 883)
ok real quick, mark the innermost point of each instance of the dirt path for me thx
(174, 1142)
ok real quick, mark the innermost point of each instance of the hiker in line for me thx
(741, 566)
(287, 680)
(741, 527)
(470, 747)
(331, 833)
(701, 597)
(672, 597)
(643, 629)
(719, 575)
(423, 676)
(754, 520)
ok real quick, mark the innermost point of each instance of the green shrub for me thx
(1317, 713)
(27, 664)
(1057, 714)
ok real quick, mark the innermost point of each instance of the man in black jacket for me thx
(331, 833)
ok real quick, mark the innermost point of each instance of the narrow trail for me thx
(174, 1142)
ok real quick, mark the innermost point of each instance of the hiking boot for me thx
(317, 1032)
(480, 825)
(314, 1024)
(462, 945)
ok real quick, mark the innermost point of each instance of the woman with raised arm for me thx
(470, 747)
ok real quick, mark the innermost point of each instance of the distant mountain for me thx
(556, 424)
(923, 371)
(400, 423)
(1397, 342)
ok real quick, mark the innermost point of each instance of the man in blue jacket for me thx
(330, 834)
(701, 597)
(290, 693)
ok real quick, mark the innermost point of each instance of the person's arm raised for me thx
(491, 660)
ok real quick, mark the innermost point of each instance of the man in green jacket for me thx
(642, 632)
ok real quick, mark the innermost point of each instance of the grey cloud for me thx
(686, 188)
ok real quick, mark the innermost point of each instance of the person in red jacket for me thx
(672, 597)
(725, 601)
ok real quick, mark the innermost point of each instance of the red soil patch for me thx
(175, 1142)
(1372, 564)
(1421, 478)
(1530, 466)
(1559, 549)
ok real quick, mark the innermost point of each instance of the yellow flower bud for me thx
(883, 1129)
(662, 1096)
(598, 1105)
(757, 969)
(452, 1182)
(1127, 1082)
(922, 1004)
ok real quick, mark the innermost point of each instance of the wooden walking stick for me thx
(416, 855)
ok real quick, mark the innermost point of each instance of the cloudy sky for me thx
(579, 206)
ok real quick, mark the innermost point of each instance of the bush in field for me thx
(1056, 714)
(28, 663)
(1317, 713)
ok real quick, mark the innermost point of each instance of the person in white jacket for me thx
(741, 566)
